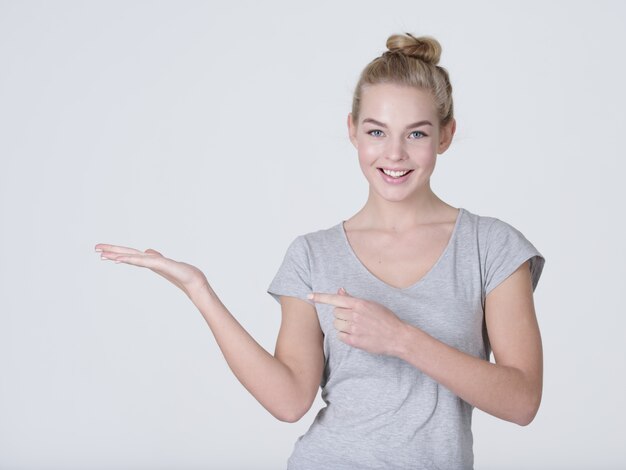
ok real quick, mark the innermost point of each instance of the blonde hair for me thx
(410, 61)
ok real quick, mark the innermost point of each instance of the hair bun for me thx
(424, 48)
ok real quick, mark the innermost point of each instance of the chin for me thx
(394, 195)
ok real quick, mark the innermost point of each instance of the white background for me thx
(215, 133)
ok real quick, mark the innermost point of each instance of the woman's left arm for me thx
(511, 388)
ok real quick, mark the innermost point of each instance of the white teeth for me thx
(395, 174)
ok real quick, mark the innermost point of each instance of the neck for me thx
(401, 216)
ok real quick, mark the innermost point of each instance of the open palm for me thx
(185, 276)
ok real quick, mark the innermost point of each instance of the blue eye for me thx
(418, 134)
(375, 135)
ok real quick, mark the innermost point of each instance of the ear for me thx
(446, 133)
(352, 131)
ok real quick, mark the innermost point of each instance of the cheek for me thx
(369, 152)
(367, 161)
(364, 164)
(424, 152)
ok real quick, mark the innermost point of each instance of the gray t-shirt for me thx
(381, 412)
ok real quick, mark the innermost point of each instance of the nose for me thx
(396, 150)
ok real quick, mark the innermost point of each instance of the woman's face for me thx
(398, 129)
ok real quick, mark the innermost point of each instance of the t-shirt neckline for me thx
(363, 268)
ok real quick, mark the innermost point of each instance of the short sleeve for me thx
(294, 274)
(507, 248)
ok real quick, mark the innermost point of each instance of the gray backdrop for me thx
(215, 133)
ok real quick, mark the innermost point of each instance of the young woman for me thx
(393, 312)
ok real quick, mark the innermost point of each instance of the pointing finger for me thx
(332, 299)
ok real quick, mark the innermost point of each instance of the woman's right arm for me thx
(287, 382)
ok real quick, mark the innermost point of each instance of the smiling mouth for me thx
(396, 177)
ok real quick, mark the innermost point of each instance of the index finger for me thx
(116, 249)
(332, 299)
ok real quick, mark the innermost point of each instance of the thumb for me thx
(342, 291)
(151, 251)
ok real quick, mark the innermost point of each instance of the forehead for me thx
(391, 102)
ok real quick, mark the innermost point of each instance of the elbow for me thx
(526, 413)
(291, 414)
(525, 419)
(292, 418)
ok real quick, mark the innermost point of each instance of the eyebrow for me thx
(410, 126)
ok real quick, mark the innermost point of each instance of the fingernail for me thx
(309, 296)
(98, 250)
(103, 257)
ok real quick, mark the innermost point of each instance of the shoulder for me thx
(321, 237)
(503, 248)
(490, 227)
(317, 240)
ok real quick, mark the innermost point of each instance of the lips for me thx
(393, 180)
(389, 169)
(394, 169)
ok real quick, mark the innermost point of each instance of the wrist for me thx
(202, 293)
(404, 338)
(408, 341)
